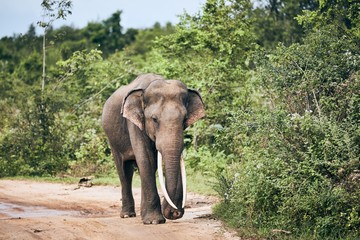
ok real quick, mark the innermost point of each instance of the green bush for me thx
(58, 131)
(90, 152)
(33, 144)
(299, 174)
(297, 157)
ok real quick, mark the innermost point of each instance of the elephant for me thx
(144, 122)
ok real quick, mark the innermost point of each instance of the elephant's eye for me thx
(155, 120)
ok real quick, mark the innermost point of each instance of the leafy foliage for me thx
(33, 146)
(280, 80)
(298, 156)
(275, 21)
(54, 9)
(294, 173)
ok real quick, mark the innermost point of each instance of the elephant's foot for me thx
(153, 219)
(127, 214)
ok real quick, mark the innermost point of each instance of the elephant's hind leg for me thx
(125, 171)
(128, 206)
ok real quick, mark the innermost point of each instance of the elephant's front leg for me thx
(150, 201)
(145, 154)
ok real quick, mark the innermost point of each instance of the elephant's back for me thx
(144, 80)
(111, 117)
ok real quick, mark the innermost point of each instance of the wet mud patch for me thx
(11, 210)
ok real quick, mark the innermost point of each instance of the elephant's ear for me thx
(195, 108)
(132, 108)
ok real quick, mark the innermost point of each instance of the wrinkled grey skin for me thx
(139, 119)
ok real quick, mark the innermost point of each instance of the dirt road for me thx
(37, 210)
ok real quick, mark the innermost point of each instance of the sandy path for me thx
(37, 210)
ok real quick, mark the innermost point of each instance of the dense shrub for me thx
(34, 143)
(86, 142)
(298, 165)
(295, 173)
(59, 131)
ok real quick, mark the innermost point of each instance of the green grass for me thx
(196, 182)
(66, 180)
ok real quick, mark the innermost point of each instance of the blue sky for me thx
(17, 15)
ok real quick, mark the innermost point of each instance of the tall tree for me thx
(275, 20)
(108, 34)
(114, 35)
(52, 10)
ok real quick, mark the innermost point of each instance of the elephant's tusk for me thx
(183, 178)
(162, 182)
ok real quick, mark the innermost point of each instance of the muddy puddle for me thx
(19, 211)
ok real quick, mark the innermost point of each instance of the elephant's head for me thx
(163, 110)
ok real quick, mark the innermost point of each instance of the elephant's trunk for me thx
(162, 182)
(174, 189)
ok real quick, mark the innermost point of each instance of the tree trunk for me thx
(44, 63)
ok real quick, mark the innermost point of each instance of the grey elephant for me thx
(144, 122)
